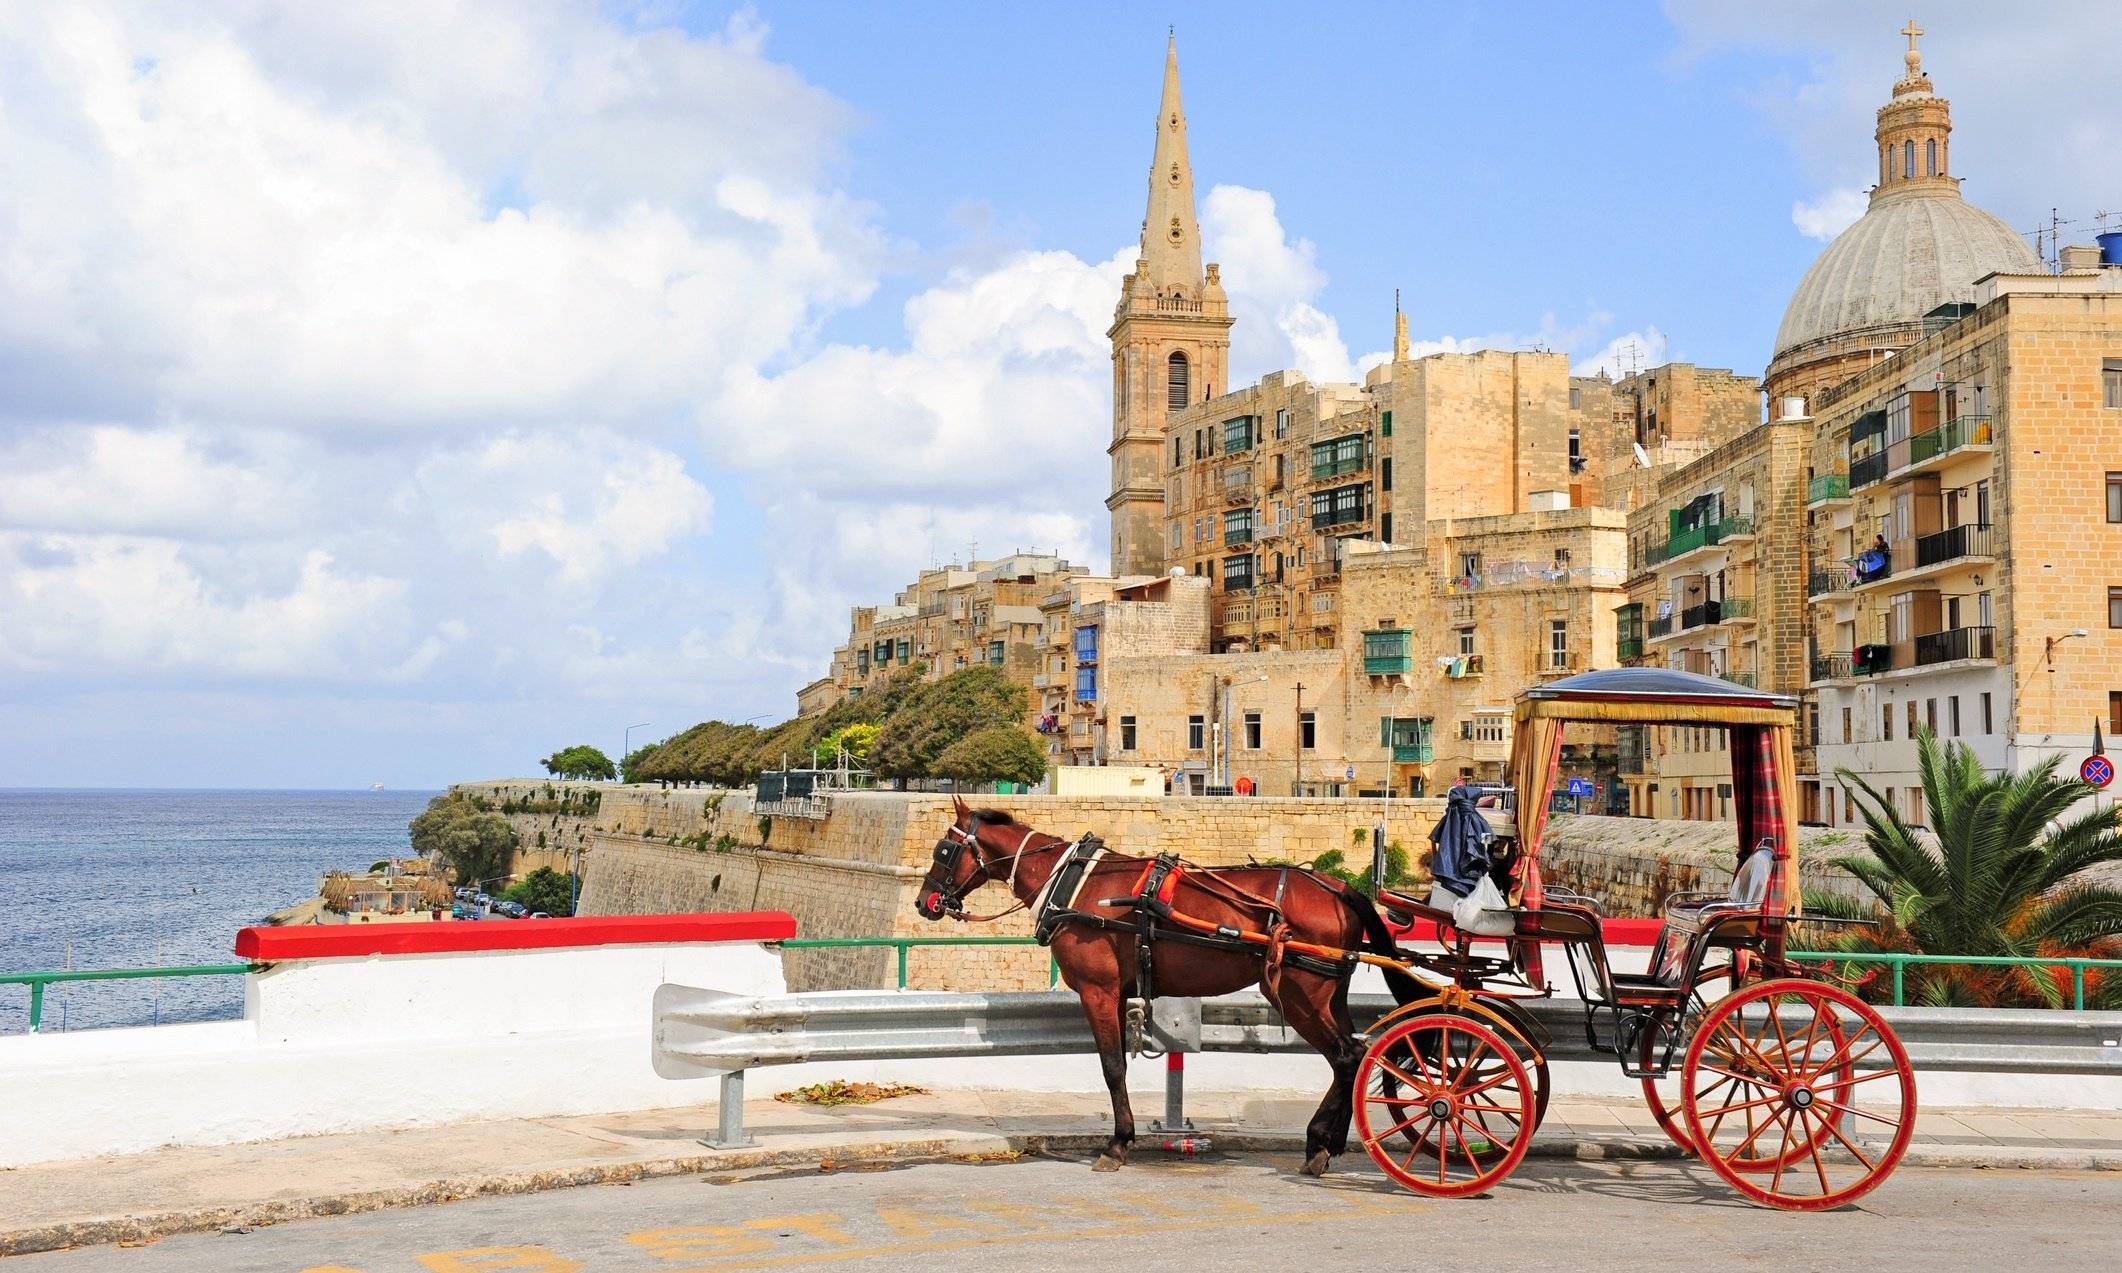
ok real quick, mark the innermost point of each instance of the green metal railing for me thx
(1827, 486)
(1900, 964)
(1707, 535)
(37, 981)
(904, 944)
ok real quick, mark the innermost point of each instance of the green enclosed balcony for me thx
(1386, 652)
(1696, 538)
(1408, 738)
(1826, 488)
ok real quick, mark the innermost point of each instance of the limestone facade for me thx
(1988, 459)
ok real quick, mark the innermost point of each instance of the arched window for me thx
(1176, 382)
(1908, 158)
(1930, 155)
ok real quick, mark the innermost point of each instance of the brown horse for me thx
(1099, 962)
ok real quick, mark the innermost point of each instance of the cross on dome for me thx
(1914, 56)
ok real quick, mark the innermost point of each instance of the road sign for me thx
(2097, 770)
(1581, 787)
(1351, 774)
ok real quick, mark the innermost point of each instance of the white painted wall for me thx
(336, 1045)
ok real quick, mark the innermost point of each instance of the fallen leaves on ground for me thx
(842, 1092)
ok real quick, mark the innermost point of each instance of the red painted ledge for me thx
(1619, 932)
(342, 941)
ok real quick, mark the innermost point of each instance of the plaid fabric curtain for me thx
(1763, 772)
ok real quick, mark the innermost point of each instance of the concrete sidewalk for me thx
(142, 1196)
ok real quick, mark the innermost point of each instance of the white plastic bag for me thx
(1483, 912)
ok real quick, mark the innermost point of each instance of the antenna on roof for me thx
(1642, 456)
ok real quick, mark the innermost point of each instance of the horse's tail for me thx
(1378, 940)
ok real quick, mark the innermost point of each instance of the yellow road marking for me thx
(492, 1259)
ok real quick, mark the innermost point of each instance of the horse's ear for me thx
(965, 815)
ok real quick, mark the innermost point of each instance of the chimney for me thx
(1793, 408)
(2080, 258)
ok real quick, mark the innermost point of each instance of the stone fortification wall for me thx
(651, 850)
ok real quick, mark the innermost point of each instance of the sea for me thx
(131, 878)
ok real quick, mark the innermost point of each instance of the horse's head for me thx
(958, 866)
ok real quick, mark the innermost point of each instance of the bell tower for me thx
(1915, 129)
(1170, 338)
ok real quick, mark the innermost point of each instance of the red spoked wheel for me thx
(1802, 1083)
(1444, 1106)
(1427, 1045)
(1663, 1094)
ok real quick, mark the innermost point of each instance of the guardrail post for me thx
(36, 1005)
(903, 948)
(729, 1115)
(2077, 986)
(1174, 1119)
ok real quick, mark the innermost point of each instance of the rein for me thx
(971, 840)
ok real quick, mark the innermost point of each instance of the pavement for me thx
(141, 1198)
(1251, 1211)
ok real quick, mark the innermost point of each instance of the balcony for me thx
(1742, 678)
(1870, 660)
(1955, 644)
(1324, 469)
(1628, 648)
(1414, 753)
(1827, 488)
(1701, 616)
(1697, 538)
(1831, 667)
(1385, 652)
(1867, 471)
(1929, 450)
(1827, 582)
(1464, 666)
(1974, 539)
(1238, 582)
(1234, 535)
(1736, 610)
(1659, 629)
(1338, 517)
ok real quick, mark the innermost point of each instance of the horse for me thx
(1099, 962)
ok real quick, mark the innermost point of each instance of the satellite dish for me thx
(1642, 457)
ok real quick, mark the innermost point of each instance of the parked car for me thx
(482, 901)
(539, 915)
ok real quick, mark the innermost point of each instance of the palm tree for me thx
(2005, 868)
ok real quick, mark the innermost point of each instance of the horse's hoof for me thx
(1316, 1164)
(1106, 1162)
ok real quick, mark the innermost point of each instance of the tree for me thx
(581, 761)
(856, 739)
(1001, 753)
(544, 890)
(934, 716)
(472, 842)
(2004, 869)
(630, 764)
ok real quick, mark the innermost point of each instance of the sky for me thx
(398, 392)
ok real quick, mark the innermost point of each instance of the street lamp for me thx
(626, 740)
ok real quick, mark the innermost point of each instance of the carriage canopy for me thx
(1764, 770)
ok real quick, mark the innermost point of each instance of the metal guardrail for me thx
(699, 1033)
(39, 981)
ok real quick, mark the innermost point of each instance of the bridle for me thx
(948, 896)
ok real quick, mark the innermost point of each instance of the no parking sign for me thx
(2097, 770)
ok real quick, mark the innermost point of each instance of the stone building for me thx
(952, 617)
(1987, 457)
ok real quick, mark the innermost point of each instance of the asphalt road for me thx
(1248, 1212)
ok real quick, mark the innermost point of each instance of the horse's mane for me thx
(993, 818)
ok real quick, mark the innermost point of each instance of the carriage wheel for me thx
(1439, 1079)
(1427, 1043)
(1803, 1083)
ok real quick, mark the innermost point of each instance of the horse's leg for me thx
(1095, 968)
(1307, 1003)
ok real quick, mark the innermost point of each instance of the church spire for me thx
(1400, 346)
(1171, 237)
(1915, 132)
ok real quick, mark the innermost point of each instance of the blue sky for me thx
(398, 392)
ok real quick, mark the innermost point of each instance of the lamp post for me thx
(626, 742)
(1296, 785)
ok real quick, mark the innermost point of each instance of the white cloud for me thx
(1830, 214)
(154, 481)
(1626, 353)
(1273, 281)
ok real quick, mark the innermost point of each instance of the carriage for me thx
(1784, 1083)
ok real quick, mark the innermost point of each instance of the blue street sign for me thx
(1581, 787)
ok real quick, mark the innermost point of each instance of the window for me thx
(1339, 506)
(2114, 497)
(1911, 719)
(1558, 643)
(1847, 727)
(1466, 641)
(1252, 731)
(1308, 731)
(1196, 733)
(1576, 397)
(1385, 478)
(1282, 422)
(1469, 565)
(1952, 715)
(1086, 684)
(1200, 446)
(1177, 382)
(1561, 558)
(1178, 535)
(2114, 712)
(1238, 572)
(1886, 722)
(1385, 424)
(1178, 453)
(2111, 384)
(1982, 502)
(1989, 725)
(1127, 733)
(1335, 456)
(995, 653)
(906, 648)
(1238, 435)
(1930, 714)
(1576, 445)
(2114, 607)
(1908, 158)
(1930, 157)
(862, 663)
(1385, 528)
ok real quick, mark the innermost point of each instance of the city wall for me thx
(854, 873)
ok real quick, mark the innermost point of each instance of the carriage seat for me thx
(1691, 916)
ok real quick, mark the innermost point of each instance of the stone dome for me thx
(1907, 255)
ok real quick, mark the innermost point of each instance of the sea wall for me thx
(854, 873)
